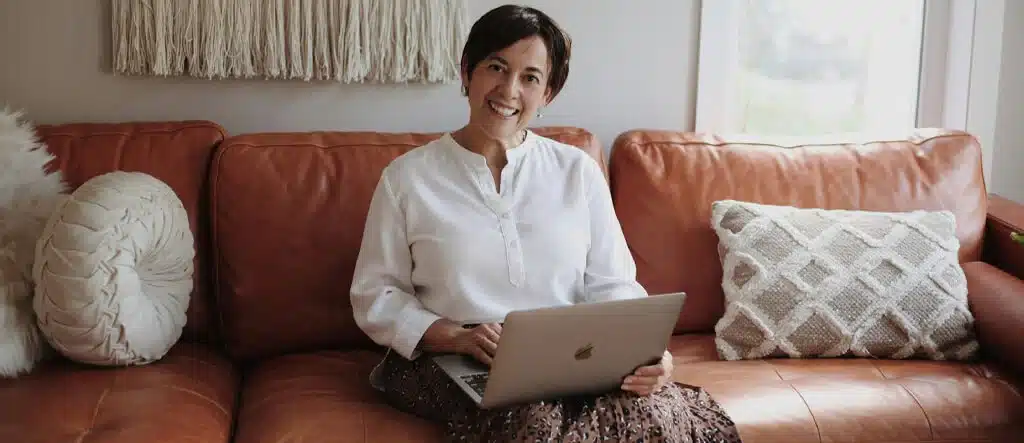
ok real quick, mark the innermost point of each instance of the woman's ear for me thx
(464, 72)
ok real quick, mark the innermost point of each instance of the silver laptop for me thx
(553, 352)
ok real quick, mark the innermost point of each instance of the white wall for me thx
(1008, 167)
(55, 58)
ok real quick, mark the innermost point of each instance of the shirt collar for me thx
(514, 155)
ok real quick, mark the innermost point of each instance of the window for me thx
(810, 67)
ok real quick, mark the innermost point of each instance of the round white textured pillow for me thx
(113, 271)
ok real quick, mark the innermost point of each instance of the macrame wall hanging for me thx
(349, 41)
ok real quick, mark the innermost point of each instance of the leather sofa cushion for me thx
(322, 396)
(307, 396)
(288, 216)
(189, 395)
(664, 183)
(177, 153)
(820, 400)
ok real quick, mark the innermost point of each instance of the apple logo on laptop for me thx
(585, 352)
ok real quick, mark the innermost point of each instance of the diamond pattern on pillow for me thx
(834, 283)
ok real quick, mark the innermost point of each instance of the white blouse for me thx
(440, 241)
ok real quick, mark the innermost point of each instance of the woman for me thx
(492, 218)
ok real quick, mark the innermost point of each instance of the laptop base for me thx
(469, 374)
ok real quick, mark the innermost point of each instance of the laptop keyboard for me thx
(477, 382)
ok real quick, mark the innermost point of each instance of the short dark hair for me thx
(503, 26)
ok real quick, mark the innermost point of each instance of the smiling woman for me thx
(513, 64)
(493, 218)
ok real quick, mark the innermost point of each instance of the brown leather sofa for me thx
(271, 352)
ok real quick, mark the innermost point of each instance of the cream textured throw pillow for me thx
(114, 270)
(821, 283)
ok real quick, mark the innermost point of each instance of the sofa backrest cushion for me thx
(664, 184)
(288, 216)
(177, 153)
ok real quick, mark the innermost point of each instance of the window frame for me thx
(958, 82)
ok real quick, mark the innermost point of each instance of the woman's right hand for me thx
(480, 342)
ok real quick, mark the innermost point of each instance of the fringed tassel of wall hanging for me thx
(350, 41)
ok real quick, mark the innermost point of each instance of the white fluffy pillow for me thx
(28, 195)
(113, 271)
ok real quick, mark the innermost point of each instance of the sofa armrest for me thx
(996, 300)
(1005, 217)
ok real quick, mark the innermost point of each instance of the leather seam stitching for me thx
(688, 143)
(209, 400)
(874, 365)
(96, 409)
(809, 411)
(216, 256)
(931, 431)
(366, 432)
(1003, 222)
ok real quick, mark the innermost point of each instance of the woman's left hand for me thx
(647, 380)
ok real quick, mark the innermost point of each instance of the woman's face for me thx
(508, 87)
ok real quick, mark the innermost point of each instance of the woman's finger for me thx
(482, 355)
(483, 341)
(639, 390)
(491, 333)
(639, 384)
(641, 380)
(649, 371)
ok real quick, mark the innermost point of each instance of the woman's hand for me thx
(480, 342)
(647, 380)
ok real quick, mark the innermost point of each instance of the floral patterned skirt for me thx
(677, 414)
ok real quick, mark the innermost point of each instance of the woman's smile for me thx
(502, 110)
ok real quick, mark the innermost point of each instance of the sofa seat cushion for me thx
(819, 400)
(322, 396)
(189, 395)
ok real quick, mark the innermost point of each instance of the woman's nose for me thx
(509, 86)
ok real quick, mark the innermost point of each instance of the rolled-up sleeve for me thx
(382, 296)
(611, 270)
